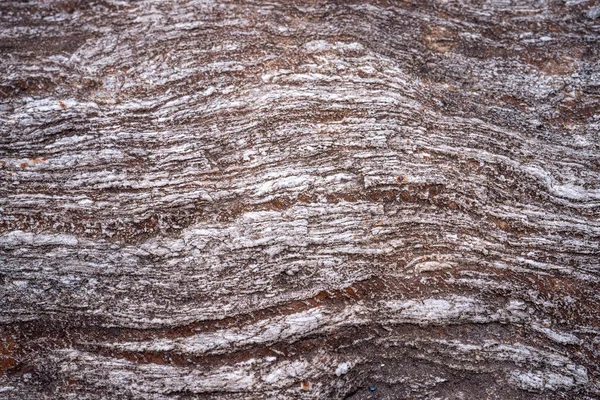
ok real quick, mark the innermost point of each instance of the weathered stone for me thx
(299, 199)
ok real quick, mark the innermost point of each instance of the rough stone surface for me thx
(300, 199)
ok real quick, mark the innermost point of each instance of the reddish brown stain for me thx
(7, 354)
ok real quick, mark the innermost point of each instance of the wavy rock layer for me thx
(309, 199)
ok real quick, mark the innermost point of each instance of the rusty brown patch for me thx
(306, 198)
(7, 353)
(381, 195)
(513, 101)
(332, 198)
(439, 39)
(29, 85)
(502, 224)
(553, 63)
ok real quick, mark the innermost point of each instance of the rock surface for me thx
(300, 199)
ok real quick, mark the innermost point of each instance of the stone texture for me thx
(299, 199)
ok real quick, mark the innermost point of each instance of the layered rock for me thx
(272, 199)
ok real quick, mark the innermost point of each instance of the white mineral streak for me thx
(251, 375)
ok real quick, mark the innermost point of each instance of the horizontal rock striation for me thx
(300, 199)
